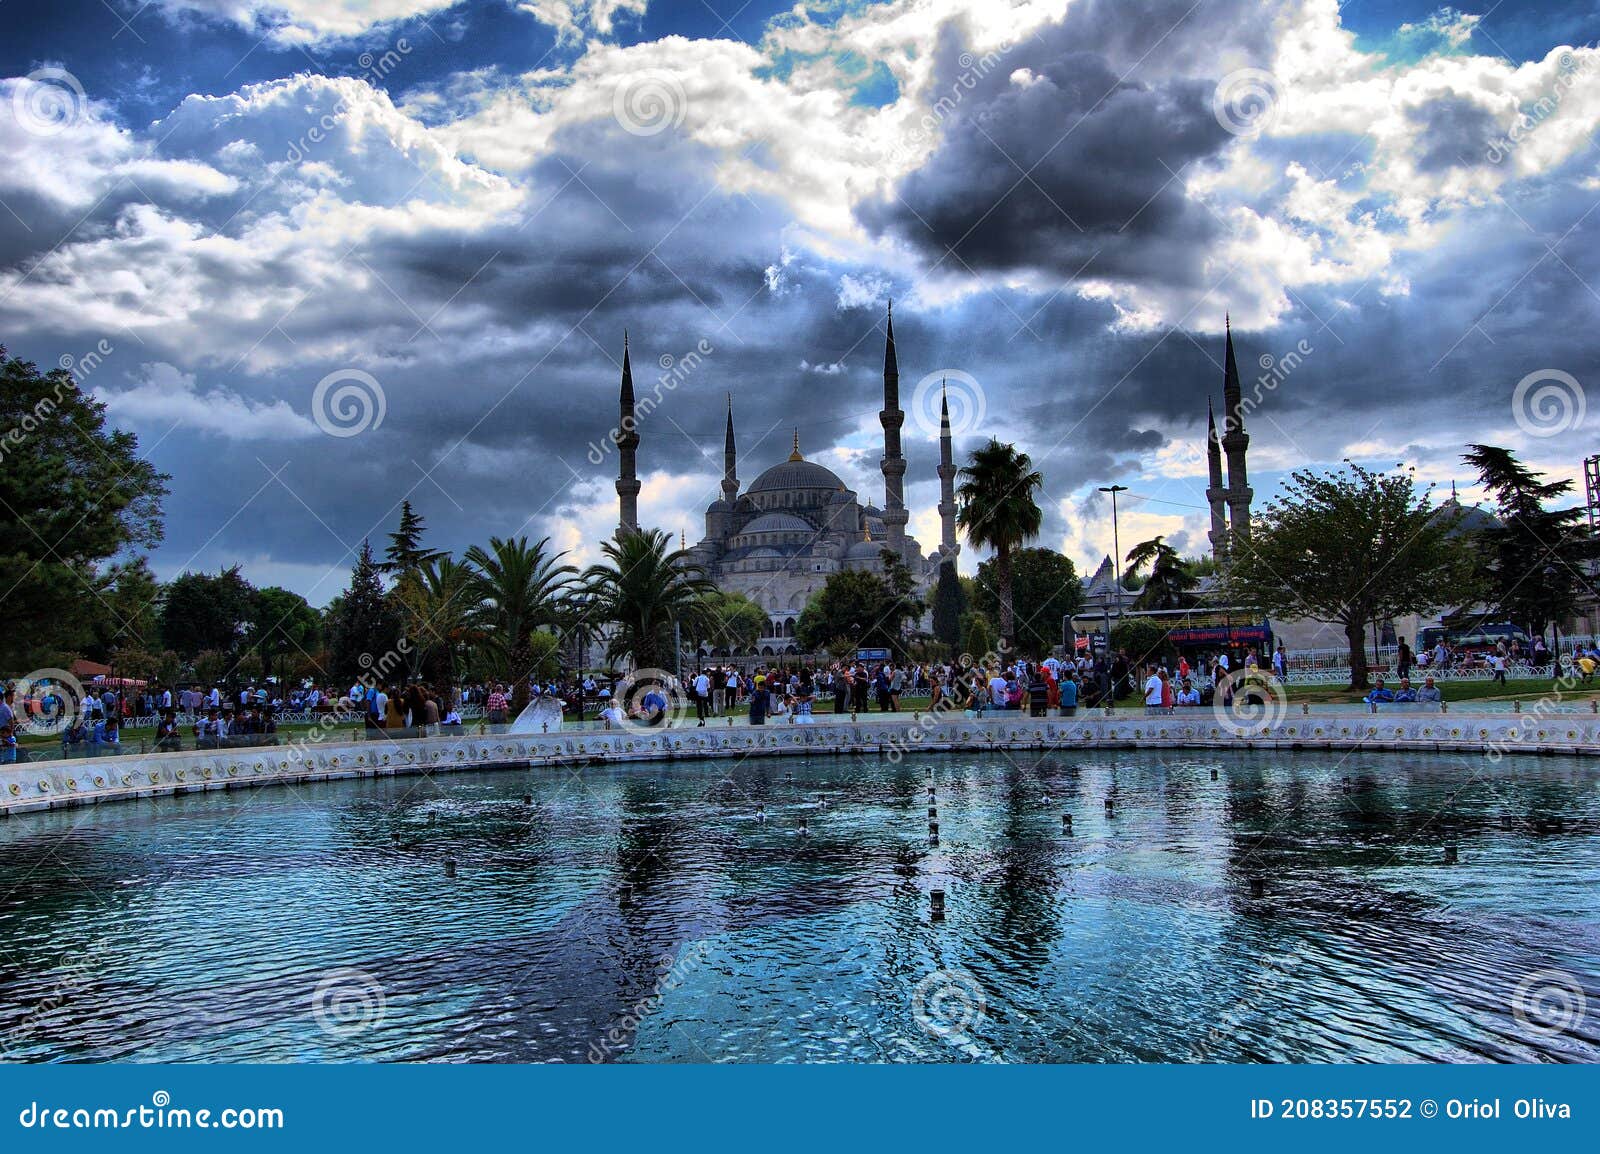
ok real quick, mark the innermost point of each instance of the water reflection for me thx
(643, 913)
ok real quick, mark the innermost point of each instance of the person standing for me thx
(702, 697)
(758, 702)
(1152, 691)
(1497, 662)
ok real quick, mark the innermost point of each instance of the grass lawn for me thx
(1515, 689)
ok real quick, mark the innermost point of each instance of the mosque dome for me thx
(795, 475)
(777, 523)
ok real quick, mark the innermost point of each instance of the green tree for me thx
(202, 611)
(996, 508)
(978, 639)
(73, 495)
(544, 651)
(1169, 581)
(282, 626)
(643, 588)
(867, 608)
(521, 588)
(126, 602)
(405, 553)
(1350, 546)
(364, 632)
(1046, 584)
(1536, 565)
(1141, 638)
(212, 666)
(728, 621)
(440, 611)
(949, 603)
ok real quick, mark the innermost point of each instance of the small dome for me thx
(865, 550)
(719, 506)
(777, 523)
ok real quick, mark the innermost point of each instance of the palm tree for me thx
(1169, 578)
(439, 603)
(995, 507)
(520, 587)
(641, 590)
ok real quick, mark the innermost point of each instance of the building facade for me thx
(779, 539)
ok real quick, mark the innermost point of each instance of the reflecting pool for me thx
(649, 913)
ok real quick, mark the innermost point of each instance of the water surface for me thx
(320, 922)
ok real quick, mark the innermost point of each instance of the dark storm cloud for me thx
(1458, 130)
(1077, 163)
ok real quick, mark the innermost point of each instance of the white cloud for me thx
(164, 398)
(1451, 27)
(305, 21)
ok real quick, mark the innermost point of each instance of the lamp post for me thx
(1116, 544)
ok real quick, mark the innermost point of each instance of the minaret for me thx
(1234, 443)
(730, 471)
(1216, 495)
(894, 465)
(627, 443)
(948, 545)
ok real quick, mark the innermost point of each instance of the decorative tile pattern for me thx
(42, 785)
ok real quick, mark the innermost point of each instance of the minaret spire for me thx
(1216, 494)
(730, 468)
(949, 547)
(627, 444)
(1235, 441)
(893, 464)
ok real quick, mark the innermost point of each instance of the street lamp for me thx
(1116, 545)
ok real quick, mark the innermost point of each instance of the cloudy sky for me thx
(335, 253)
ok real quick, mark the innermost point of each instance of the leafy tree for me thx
(405, 553)
(521, 588)
(868, 609)
(211, 666)
(1167, 584)
(544, 651)
(282, 625)
(1046, 584)
(126, 614)
(1350, 546)
(1535, 566)
(995, 506)
(1141, 638)
(73, 495)
(949, 603)
(642, 589)
(200, 611)
(728, 621)
(440, 610)
(133, 661)
(978, 638)
(364, 631)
